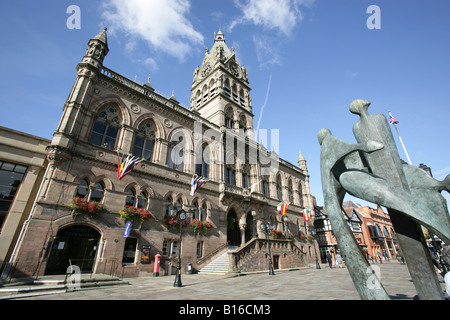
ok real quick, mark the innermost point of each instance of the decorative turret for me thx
(97, 50)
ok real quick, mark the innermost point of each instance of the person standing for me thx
(329, 258)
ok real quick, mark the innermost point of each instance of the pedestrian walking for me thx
(379, 256)
(339, 260)
(329, 257)
(385, 256)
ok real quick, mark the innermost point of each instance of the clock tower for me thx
(220, 90)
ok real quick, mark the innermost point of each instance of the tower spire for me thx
(97, 50)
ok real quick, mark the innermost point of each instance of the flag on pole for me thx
(282, 208)
(124, 166)
(196, 183)
(253, 186)
(392, 120)
(306, 214)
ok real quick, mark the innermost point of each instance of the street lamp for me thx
(182, 216)
(266, 227)
(285, 219)
(255, 231)
(313, 233)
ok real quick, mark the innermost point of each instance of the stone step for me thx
(218, 266)
(53, 286)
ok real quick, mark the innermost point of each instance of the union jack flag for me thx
(392, 120)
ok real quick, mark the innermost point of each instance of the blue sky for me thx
(319, 56)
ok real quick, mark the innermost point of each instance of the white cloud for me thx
(281, 15)
(266, 52)
(162, 24)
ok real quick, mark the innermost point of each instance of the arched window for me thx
(226, 87)
(300, 195)
(144, 141)
(142, 201)
(106, 127)
(97, 192)
(196, 209)
(278, 186)
(203, 212)
(246, 176)
(265, 187)
(229, 118)
(202, 162)
(243, 125)
(175, 155)
(290, 192)
(169, 205)
(82, 189)
(131, 198)
(230, 175)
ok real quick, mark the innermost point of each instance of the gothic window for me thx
(290, 192)
(241, 97)
(202, 162)
(175, 156)
(97, 192)
(235, 93)
(142, 200)
(169, 205)
(198, 98)
(278, 187)
(243, 125)
(265, 187)
(144, 141)
(226, 87)
(205, 93)
(229, 118)
(196, 209)
(230, 175)
(246, 176)
(212, 88)
(203, 212)
(300, 195)
(106, 127)
(131, 198)
(82, 189)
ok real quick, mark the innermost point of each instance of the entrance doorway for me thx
(76, 245)
(233, 233)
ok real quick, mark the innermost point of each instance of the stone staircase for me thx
(219, 265)
(46, 286)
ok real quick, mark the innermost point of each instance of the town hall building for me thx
(82, 207)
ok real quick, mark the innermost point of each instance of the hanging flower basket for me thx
(135, 215)
(82, 206)
(275, 234)
(201, 226)
(173, 222)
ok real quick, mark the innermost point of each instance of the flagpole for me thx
(400, 138)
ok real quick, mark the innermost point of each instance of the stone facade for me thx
(107, 113)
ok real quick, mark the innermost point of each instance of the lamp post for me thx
(182, 217)
(255, 231)
(313, 233)
(266, 227)
(286, 230)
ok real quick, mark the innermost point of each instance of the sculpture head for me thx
(322, 134)
(359, 106)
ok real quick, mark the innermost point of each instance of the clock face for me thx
(234, 69)
(206, 70)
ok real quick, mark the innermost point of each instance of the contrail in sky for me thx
(264, 105)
